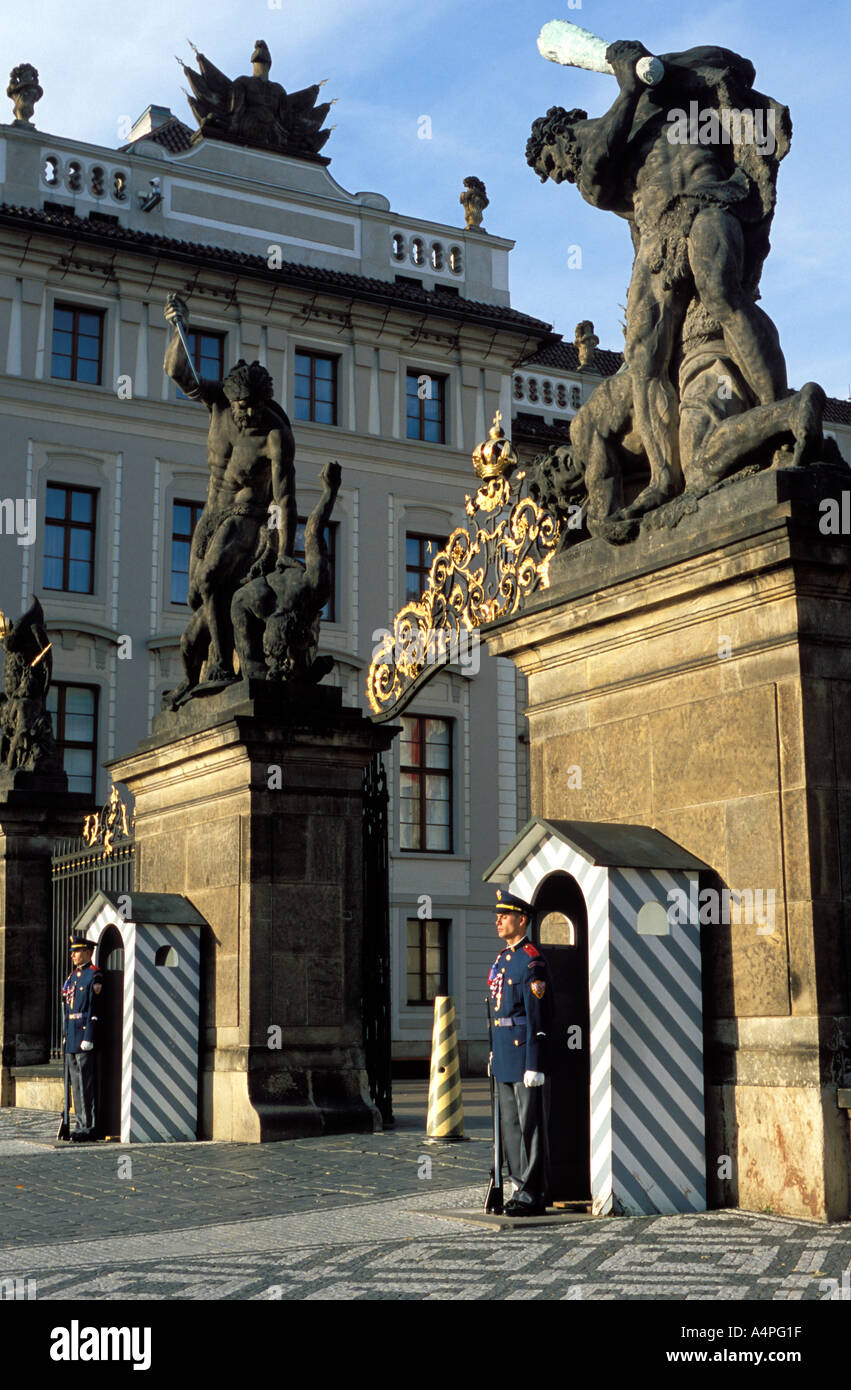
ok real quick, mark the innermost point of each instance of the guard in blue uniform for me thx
(81, 995)
(518, 1014)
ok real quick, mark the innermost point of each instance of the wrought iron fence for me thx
(78, 870)
(376, 938)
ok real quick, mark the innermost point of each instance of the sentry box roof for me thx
(146, 909)
(598, 842)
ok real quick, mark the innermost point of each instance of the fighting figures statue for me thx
(26, 734)
(247, 530)
(276, 615)
(704, 388)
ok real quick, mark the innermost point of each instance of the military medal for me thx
(495, 982)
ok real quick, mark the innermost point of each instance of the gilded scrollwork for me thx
(483, 573)
(108, 825)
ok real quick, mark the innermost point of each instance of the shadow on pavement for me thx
(410, 1105)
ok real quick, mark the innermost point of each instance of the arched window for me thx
(166, 956)
(556, 929)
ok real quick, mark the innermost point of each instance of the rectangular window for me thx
(74, 711)
(184, 516)
(426, 407)
(328, 614)
(419, 556)
(425, 787)
(428, 958)
(77, 346)
(207, 351)
(316, 388)
(69, 538)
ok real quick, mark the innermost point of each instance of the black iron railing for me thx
(78, 871)
(376, 943)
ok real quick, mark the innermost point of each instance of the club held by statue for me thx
(575, 47)
(181, 333)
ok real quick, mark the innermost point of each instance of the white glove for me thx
(490, 1064)
(87, 1047)
(533, 1078)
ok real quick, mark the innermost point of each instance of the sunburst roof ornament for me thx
(252, 110)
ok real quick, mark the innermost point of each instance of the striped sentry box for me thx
(644, 981)
(161, 936)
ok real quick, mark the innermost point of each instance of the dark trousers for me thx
(82, 1069)
(523, 1122)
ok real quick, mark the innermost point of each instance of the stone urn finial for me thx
(474, 200)
(586, 343)
(24, 91)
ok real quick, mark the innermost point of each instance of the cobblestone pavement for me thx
(356, 1218)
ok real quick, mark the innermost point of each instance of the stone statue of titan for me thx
(250, 452)
(699, 214)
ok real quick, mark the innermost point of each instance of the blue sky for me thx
(474, 69)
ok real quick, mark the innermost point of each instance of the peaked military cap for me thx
(80, 942)
(508, 902)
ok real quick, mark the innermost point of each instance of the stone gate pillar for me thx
(698, 681)
(248, 802)
(35, 810)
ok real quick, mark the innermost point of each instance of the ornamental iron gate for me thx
(102, 857)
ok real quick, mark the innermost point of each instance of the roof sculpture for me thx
(252, 110)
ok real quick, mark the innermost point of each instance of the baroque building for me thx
(392, 342)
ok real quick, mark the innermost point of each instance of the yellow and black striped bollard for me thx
(445, 1105)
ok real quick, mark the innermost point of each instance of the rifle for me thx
(494, 1197)
(64, 1130)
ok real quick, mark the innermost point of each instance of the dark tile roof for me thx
(553, 352)
(533, 429)
(311, 277)
(837, 412)
(172, 134)
(527, 428)
(565, 357)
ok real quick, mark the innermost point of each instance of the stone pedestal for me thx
(250, 805)
(699, 681)
(34, 812)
